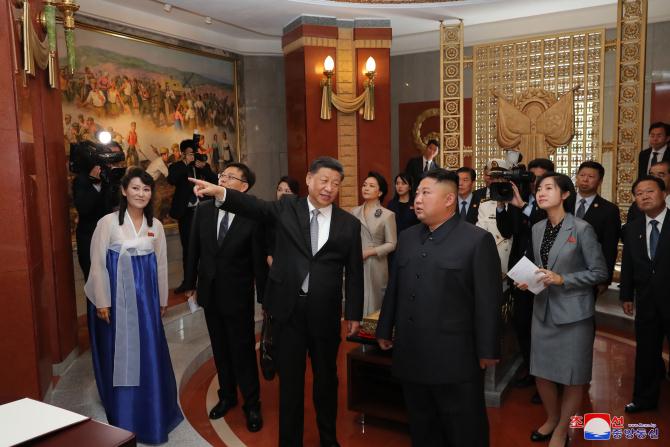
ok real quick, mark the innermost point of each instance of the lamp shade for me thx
(370, 65)
(329, 64)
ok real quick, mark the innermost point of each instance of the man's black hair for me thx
(247, 174)
(473, 174)
(593, 165)
(649, 178)
(543, 163)
(326, 162)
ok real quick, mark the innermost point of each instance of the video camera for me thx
(87, 154)
(519, 175)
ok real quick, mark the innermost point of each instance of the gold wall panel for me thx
(555, 63)
(451, 96)
(631, 46)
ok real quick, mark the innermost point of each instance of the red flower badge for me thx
(572, 239)
(150, 234)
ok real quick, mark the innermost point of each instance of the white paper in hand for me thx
(526, 272)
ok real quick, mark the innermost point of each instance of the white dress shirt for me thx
(659, 157)
(467, 200)
(660, 218)
(231, 216)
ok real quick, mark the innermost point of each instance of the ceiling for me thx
(254, 27)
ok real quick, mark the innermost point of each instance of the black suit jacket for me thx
(605, 219)
(414, 169)
(643, 160)
(513, 223)
(91, 204)
(473, 210)
(340, 257)
(642, 279)
(444, 300)
(178, 174)
(225, 275)
(633, 213)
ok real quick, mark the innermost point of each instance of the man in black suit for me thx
(468, 201)
(418, 166)
(316, 244)
(515, 222)
(183, 200)
(226, 256)
(659, 134)
(645, 268)
(659, 170)
(602, 214)
(444, 300)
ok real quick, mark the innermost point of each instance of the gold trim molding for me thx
(372, 43)
(309, 41)
(631, 47)
(451, 96)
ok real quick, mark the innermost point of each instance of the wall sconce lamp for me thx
(364, 103)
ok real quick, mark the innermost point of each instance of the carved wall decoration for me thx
(555, 63)
(632, 33)
(451, 96)
(421, 140)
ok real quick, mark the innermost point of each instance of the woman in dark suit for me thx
(402, 203)
(571, 261)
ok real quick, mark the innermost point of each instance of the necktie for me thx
(654, 159)
(653, 238)
(314, 240)
(582, 209)
(464, 209)
(223, 228)
(425, 168)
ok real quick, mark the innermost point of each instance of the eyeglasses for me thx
(223, 175)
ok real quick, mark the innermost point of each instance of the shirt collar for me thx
(467, 199)
(430, 162)
(660, 218)
(326, 211)
(589, 200)
(660, 151)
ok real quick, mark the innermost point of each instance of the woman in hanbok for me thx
(127, 289)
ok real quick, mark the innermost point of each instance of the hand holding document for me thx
(525, 272)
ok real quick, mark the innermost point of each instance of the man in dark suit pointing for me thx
(444, 300)
(316, 244)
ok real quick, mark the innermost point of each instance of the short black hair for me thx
(326, 162)
(565, 184)
(473, 174)
(247, 174)
(185, 144)
(659, 125)
(433, 141)
(381, 181)
(292, 183)
(543, 163)
(441, 175)
(662, 162)
(649, 178)
(593, 165)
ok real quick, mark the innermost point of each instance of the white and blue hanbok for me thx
(131, 361)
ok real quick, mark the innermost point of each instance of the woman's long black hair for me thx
(145, 178)
(407, 179)
(564, 184)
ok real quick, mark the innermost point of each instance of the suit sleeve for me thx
(390, 237)
(252, 207)
(387, 315)
(259, 254)
(86, 198)
(596, 268)
(176, 174)
(626, 287)
(488, 298)
(353, 276)
(611, 241)
(191, 274)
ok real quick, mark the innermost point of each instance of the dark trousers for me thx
(522, 318)
(234, 347)
(184, 224)
(650, 333)
(447, 415)
(84, 252)
(295, 339)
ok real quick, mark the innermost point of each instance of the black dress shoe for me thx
(525, 381)
(635, 408)
(221, 409)
(536, 399)
(254, 419)
(536, 436)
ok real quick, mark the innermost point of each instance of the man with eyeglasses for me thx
(226, 256)
(183, 200)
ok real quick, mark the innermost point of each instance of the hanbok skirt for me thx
(150, 410)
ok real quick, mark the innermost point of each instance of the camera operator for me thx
(516, 221)
(94, 191)
(184, 201)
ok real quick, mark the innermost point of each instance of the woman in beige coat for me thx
(378, 237)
